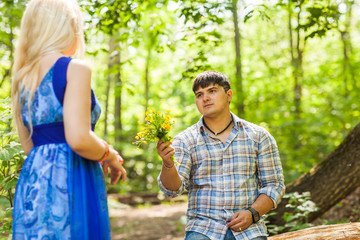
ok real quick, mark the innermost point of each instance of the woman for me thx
(61, 190)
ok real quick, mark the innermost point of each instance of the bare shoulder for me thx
(78, 69)
(80, 64)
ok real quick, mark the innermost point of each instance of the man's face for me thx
(212, 100)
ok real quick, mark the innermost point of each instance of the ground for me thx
(167, 221)
(157, 222)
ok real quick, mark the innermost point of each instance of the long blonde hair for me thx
(47, 26)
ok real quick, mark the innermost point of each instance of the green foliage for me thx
(11, 161)
(179, 39)
(10, 15)
(296, 219)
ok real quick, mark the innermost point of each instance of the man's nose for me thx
(206, 97)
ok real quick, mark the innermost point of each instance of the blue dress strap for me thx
(93, 101)
(60, 81)
(59, 78)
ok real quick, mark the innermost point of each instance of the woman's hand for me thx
(114, 162)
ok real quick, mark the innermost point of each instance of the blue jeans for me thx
(229, 236)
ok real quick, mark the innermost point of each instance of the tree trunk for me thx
(7, 74)
(112, 48)
(298, 74)
(296, 53)
(349, 231)
(329, 182)
(348, 70)
(239, 80)
(297, 66)
(147, 81)
(118, 93)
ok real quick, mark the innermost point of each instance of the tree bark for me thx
(297, 44)
(146, 76)
(348, 70)
(349, 231)
(112, 48)
(298, 72)
(329, 182)
(118, 93)
(7, 74)
(239, 80)
(296, 60)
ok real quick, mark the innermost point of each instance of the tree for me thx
(201, 20)
(349, 231)
(238, 78)
(10, 15)
(114, 20)
(153, 27)
(344, 28)
(330, 181)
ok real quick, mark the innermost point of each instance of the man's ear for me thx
(229, 94)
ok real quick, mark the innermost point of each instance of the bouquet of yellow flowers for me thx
(157, 125)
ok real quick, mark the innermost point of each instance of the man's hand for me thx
(169, 175)
(165, 151)
(240, 221)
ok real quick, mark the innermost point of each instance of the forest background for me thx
(294, 68)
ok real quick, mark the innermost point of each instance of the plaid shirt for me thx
(225, 178)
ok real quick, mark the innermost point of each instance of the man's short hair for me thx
(207, 78)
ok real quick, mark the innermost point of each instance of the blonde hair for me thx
(47, 26)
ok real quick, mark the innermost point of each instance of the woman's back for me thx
(59, 194)
(61, 190)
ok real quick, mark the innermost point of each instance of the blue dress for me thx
(59, 195)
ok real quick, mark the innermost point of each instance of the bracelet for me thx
(164, 165)
(121, 160)
(107, 152)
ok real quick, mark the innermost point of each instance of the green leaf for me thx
(248, 16)
(4, 155)
(4, 164)
(10, 184)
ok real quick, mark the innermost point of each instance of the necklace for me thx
(220, 131)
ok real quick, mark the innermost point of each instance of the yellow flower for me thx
(151, 120)
(145, 142)
(149, 107)
(159, 112)
(146, 118)
(168, 111)
(167, 127)
(173, 121)
(139, 122)
(137, 137)
(167, 117)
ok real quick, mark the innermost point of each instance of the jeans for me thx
(229, 236)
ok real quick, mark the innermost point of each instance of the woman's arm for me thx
(24, 136)
(77, 112)
(77, 119)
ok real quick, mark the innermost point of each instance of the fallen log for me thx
(332, 180)
(348, 231)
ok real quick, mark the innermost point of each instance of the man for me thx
(230, 167)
